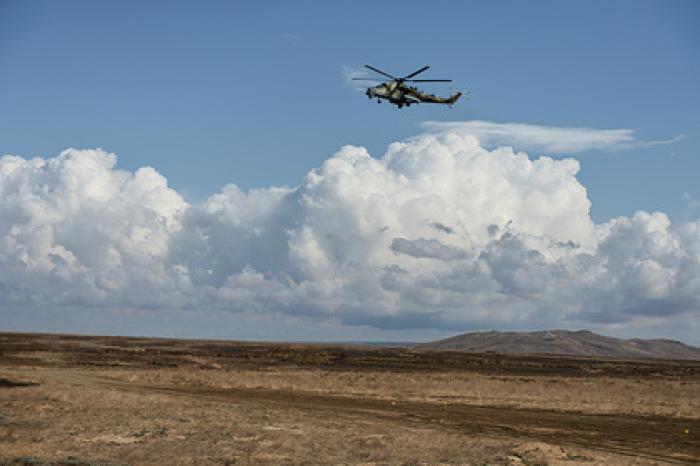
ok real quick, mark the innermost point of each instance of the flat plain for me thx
(68, 399)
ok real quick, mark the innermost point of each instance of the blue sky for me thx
(440, 235)
(253, 93)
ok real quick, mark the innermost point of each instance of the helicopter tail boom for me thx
(454, 97)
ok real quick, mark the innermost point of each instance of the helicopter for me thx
(400, 94)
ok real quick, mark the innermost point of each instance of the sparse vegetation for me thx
(140, 401)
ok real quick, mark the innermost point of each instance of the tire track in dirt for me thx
(653, 437)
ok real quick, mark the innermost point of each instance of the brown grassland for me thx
(115, 400)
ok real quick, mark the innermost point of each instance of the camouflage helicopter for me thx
(400, 94)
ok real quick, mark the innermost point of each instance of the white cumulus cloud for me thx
(438, 233)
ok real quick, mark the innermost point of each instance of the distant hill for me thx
(582, 342)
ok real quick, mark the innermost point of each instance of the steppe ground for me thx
(113, 400)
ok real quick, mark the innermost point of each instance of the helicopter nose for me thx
(369, 93)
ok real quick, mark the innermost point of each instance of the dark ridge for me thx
(580, 343)
(7, 383)
(29, 461)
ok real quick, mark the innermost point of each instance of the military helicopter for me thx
(400, 94)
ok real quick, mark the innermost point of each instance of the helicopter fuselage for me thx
(393, 91)
(400, 94)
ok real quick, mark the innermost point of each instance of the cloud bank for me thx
(438, 233)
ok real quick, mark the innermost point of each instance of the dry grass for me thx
(113, 402)
(604, 395)
(57, 421)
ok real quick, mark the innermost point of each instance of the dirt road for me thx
(653, 437)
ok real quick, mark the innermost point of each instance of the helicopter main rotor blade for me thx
(415, 73)
(364, 79)
(429, 80)
(380, 72)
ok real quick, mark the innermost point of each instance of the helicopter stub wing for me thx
(412, 100)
